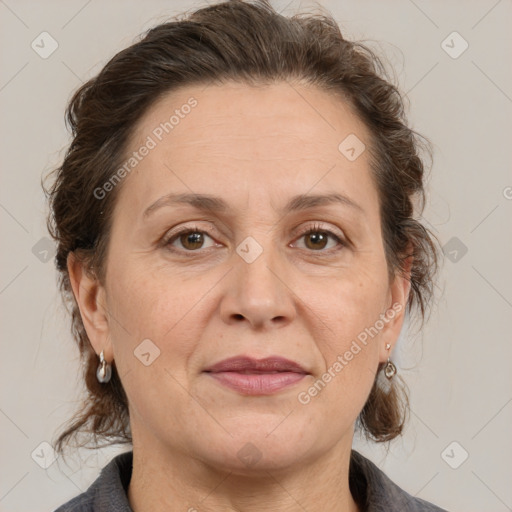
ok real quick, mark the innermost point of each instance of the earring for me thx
(104, 371)
(390, 368)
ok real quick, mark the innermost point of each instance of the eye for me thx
(317, 238)
(191, 239)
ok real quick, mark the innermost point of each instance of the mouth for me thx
(250, 376)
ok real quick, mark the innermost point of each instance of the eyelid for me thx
(172, 234)
(320, 226)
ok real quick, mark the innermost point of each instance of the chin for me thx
(261, 446)
(250, 460)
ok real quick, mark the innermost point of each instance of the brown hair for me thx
(247, 42)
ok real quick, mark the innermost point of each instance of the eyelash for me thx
(316, 228)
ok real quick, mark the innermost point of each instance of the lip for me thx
(251, 376)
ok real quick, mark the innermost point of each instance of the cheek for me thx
(353, 305)
(167, 311)
(156, 326)
(349, 320)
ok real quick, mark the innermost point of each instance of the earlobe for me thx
(90, 296)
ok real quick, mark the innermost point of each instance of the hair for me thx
(249, 43)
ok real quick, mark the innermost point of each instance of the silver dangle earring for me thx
(390, 368)
(104, 371)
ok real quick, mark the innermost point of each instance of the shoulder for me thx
(108, 491)
(377, 493)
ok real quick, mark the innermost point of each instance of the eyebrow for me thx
(206, 202)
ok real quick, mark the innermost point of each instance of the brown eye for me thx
(317, 240)
(192, 240)
(188, 240)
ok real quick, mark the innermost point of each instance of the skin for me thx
(301, 298)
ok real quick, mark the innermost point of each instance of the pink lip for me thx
(257, 376)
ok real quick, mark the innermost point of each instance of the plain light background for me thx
(458, 370)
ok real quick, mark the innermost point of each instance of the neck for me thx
(163, 481)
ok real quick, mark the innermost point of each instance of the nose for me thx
(258, 292)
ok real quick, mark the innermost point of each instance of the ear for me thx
(399, 295)
(91, 299)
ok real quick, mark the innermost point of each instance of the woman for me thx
(237, 240)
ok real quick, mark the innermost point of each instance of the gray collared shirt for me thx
(371, 488)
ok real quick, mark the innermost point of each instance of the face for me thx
(257, 272)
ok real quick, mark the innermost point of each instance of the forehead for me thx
(311, 116)
(287, 136)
